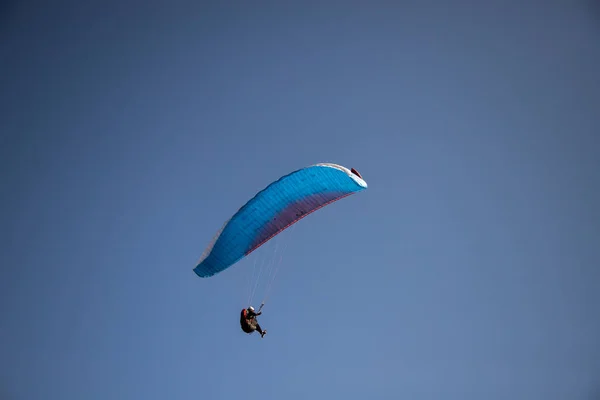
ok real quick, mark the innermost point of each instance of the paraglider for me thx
(249, 323)
(272, 210)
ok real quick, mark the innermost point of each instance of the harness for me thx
(245, 322)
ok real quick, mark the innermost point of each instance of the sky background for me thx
(469, 270)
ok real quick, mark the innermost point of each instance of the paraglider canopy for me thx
(275, 208)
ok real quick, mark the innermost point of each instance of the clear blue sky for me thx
(469, 270)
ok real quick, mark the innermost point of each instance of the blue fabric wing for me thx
(275, 208)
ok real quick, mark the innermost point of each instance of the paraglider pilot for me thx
(249, 322)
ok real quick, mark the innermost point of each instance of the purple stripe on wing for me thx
(293, 212)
